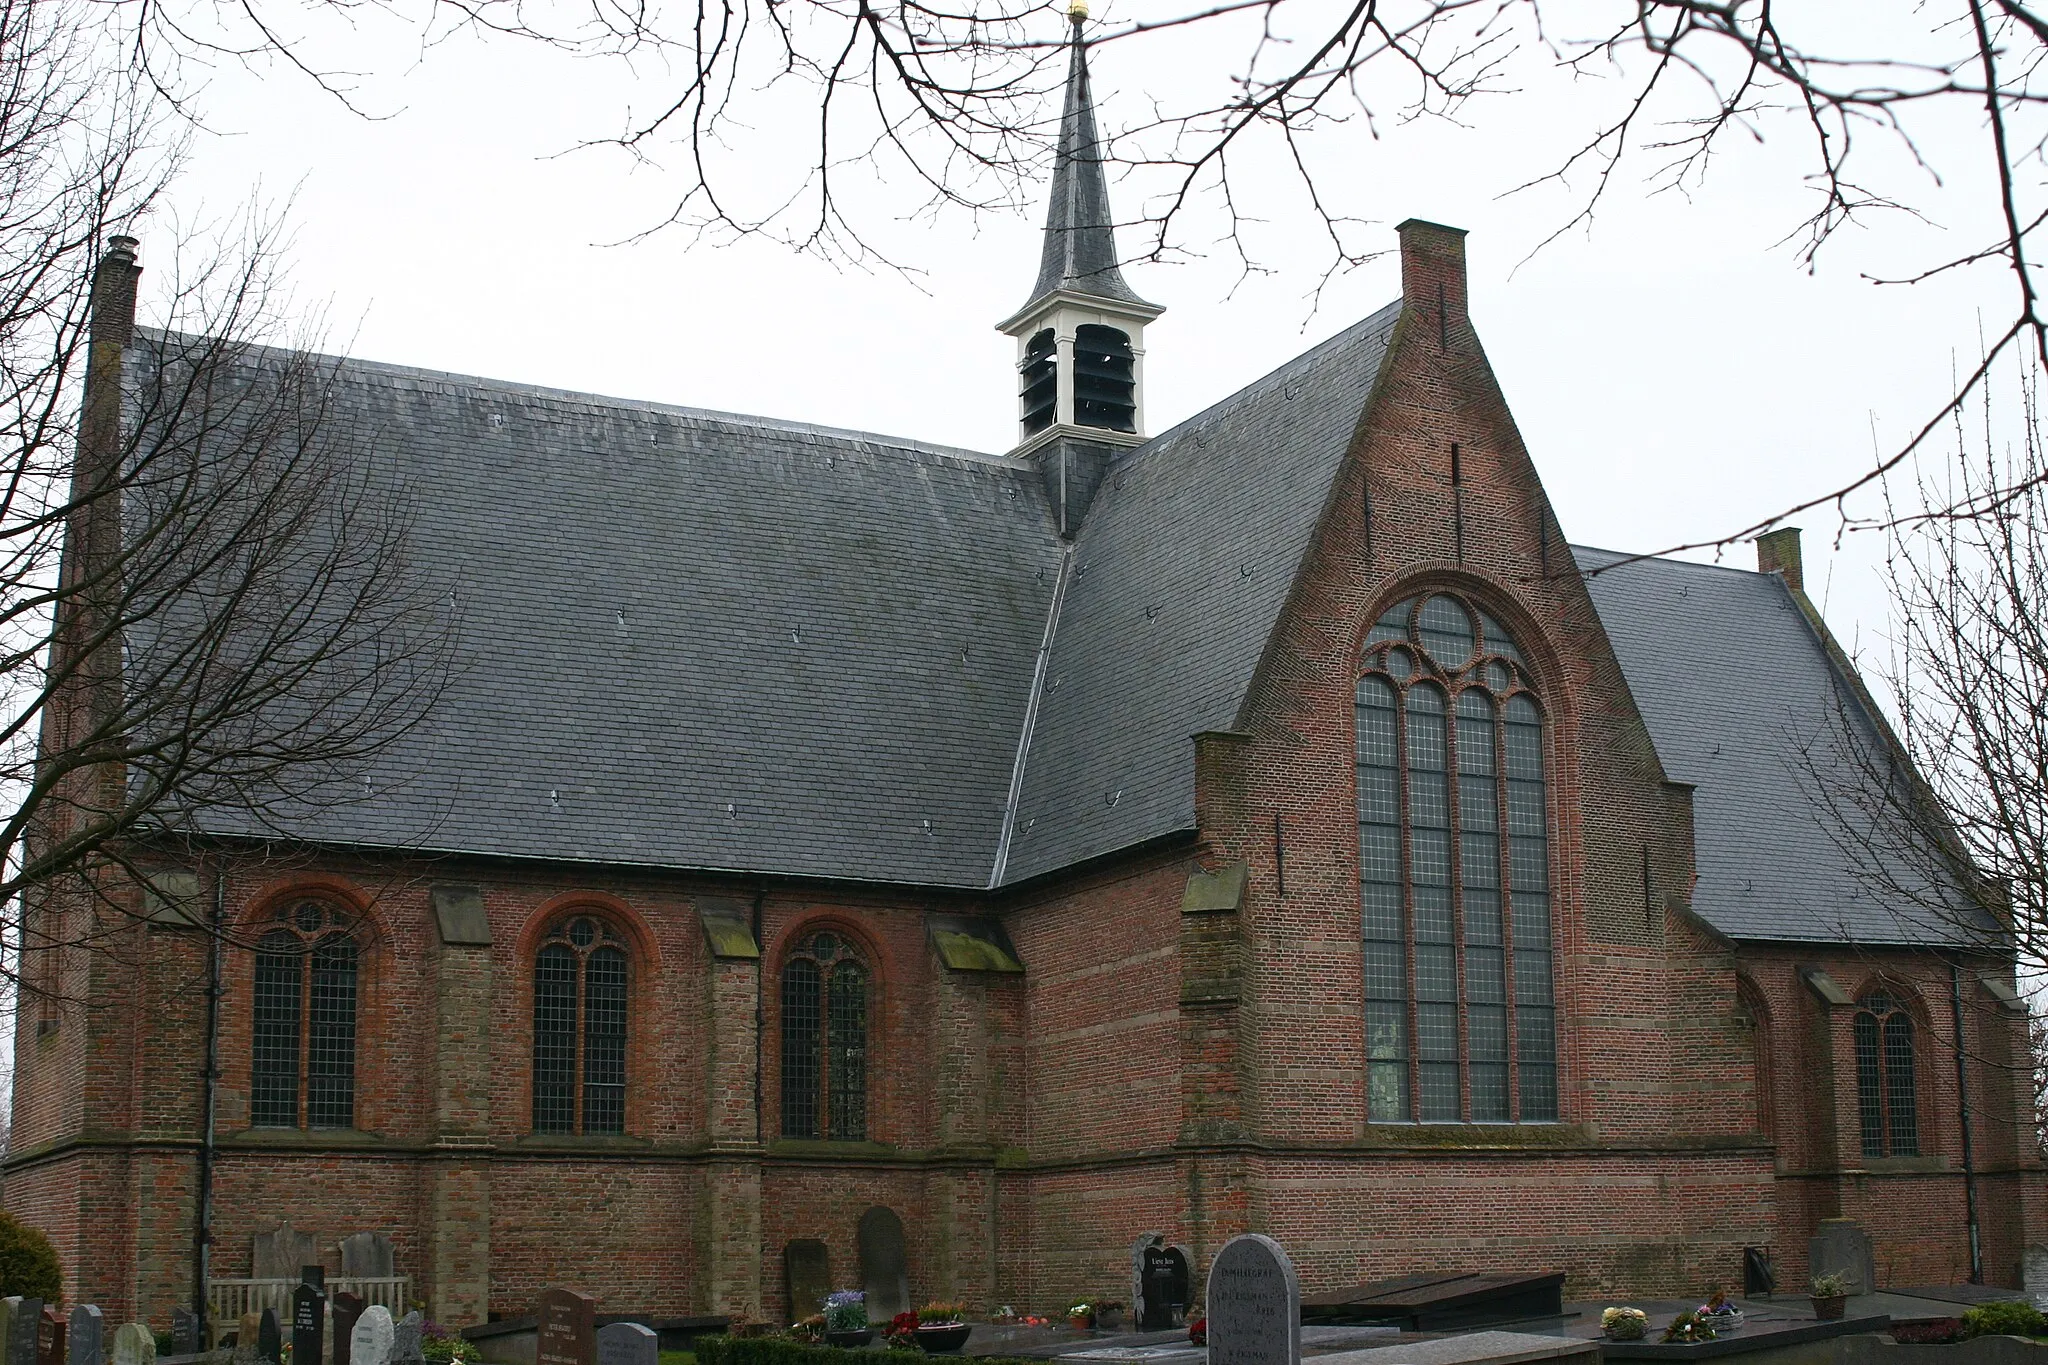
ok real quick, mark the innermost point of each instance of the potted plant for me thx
(1724, 1316)
(942, 1326)
(1830, 1294)
(846, 1318)
(1081, 1316)
(1624, 1324)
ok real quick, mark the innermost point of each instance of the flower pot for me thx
(937, 1337)
(1633, 1331)
(1830, 1308)
(1080, 1322)
(1724, 1323)
(851, 1340)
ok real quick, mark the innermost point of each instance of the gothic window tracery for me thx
(303, 1035)
(825, 1040)
(1454, 858)
(579, 1028)
(1886, 1100)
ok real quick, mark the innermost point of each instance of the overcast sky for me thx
(1675, 372)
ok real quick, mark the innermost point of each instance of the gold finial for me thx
(1078, 9)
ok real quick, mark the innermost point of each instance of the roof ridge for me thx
(1632, 557)
(393, 370)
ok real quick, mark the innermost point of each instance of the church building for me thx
(1272, 823)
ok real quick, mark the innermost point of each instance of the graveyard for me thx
(1246, 1308)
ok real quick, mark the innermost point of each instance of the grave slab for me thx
(884, 1270)
(1474, 1348)
(807, 1271)
(1843, 1247)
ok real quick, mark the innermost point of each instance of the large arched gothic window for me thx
(1885, 1097)
(303, 1043)
(825, 1040)
(579, 1028)
(1454, 851)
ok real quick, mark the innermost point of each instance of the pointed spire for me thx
(1080, 245)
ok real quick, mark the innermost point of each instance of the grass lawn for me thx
(678, 1358)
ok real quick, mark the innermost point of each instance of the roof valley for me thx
(1052, 622)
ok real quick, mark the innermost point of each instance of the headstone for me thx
(884, 1273)
(367, 1255)
(22, 1330)
(278, 1254)
(309, 1320)
(185, 1334)
(1182, 1290)
(135, 1344)
(86, 1343)
(1843, 1247)
(1162, 1274)
(10, 1308)
(344, 1312)
(314, 1275)
(2035, 1274)
(270, 1338)
(246, 1328)
(370, 1343)
(1139, 1246)
(565, 1329)
(50, 1334)
(1254, 1304)
(628, 1343)
(405, 1340)
(807, 1267)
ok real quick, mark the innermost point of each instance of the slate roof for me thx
(1734, 684)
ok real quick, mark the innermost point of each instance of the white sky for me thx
(1675, 374)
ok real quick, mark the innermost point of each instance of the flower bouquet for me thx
(1625, 1324)
(1689, 1329)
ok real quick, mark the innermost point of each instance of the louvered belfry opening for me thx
(1105, 379)
(1041, 383)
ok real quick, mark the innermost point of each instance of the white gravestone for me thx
(370, 1343)
(134, 1344)
(1254, 1304)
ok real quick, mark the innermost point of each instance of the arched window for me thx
(1753, 1022)
(1454, 861)
(303, 1043)
(579, 1028)
(825, 1041)
(1885, 1099)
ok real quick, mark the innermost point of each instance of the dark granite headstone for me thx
(86, 1342)
(309, 1321)
(185, 1335)
(344, 1311)
(22, 1331)
(628, 1343)
(1163, 1278)
(565, 1331)
(1254, 1304)
(807, 1267)
(315, 1275)
(1842, 1247)
(1183, 1286)
(884, 1273)
(406, 1338)
(270, 1338)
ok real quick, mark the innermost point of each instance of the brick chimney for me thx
(1433, 276)
(1778, 552)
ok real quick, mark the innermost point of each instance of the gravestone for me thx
(1183, 1288)
(565, 1329)
(22, 1330)
(309, 1320)
(343, 1312)
(1843, 1247)
(1162, 1276)
(628, 1343)
(1142, 1243)
(2034, 1272)
(134, 1344)
(370, 1343)
(405, 1340)
(50, 1334)
(314, 1275)
(367, 1255)
(1254, 1304)
(246, 1328)
(185, 1335)
(884, 1273)
(278, 1254)
(86, 1343)
(9, 1307)
(270, 1338)
(807, 1267)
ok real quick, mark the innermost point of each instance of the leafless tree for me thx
(209, 622)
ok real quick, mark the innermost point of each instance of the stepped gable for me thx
(1734, 683)
(1179, 575)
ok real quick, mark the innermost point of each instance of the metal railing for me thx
(229, 1299)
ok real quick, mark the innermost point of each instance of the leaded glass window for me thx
(1454, 871)
(1886, 1101)
(579, 1028)
(825, 1040)
(302, 1070)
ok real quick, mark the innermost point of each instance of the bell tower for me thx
(1081, 338)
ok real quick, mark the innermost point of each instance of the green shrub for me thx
(28, 1263)
(2003, 1320)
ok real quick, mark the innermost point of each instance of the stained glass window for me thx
(302, 1070)
(579, 1028)
(825, 1041)
(1454, 871)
